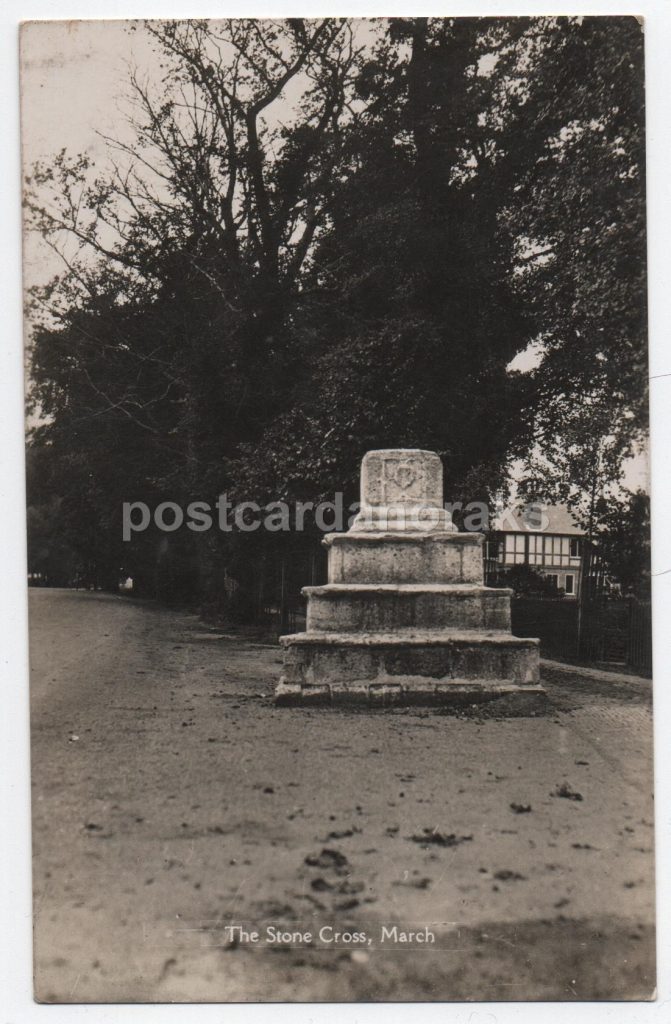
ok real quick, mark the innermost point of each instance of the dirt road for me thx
(177, 812)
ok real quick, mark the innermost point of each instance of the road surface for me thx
(177, 813)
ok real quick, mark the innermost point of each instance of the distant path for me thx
(585, 672)
(170, 797)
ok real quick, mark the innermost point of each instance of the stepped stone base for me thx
(413, 667)
(440, 557)
(517, 699)
(375, 607)
(405, 617)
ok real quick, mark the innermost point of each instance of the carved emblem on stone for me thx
(401, 489)
(404, 475)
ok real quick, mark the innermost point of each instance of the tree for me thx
(493, 201)
(169, 337)
(582, 212)
(408, 352)
(578, 457)
(204, 230)
(624, 542)
(322, 240)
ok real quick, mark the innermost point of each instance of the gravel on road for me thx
(173, 800)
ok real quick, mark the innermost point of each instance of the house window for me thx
(570, 583)
(535, 550)
(553, 577)
(575, 547)
(556, 551)
(514, 551)
(550, 550)
(565, 551)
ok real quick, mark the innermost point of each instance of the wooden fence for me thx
(615, 631)
(639, 636)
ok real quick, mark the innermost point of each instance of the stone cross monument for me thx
(405, 617)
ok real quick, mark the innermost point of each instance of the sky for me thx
(74, 77)
(74, 88)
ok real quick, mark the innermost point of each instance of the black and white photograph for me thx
(338, 509)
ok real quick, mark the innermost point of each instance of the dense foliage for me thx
(327, 236)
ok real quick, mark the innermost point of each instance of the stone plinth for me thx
(374, 607)
(436, 557)
(405, 617)
(401, 490)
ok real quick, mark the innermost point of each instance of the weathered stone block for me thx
(405, 558)
(404, 657)
(401, 489)
(507, 699)
(364, 607)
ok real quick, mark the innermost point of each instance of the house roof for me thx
(538, 518)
